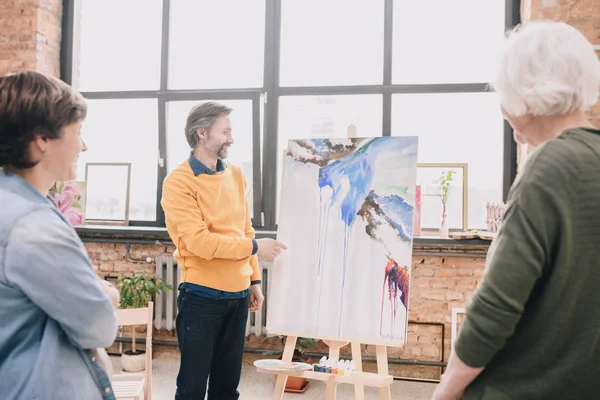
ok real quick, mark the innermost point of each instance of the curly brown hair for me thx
(31, 104)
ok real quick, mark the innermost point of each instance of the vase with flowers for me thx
(444, 184)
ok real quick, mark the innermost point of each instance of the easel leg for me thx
(288, 354)
(334, 355)
(359, 390)
(382, 368)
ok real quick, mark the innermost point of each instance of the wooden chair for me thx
(136, 386)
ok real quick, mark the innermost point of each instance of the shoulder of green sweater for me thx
(554, 163)
(551, 170)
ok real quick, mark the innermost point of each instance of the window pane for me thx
(328, 43)
(457, 43)
(457, 128)
(216, 44)
(240, 153)
(125, 131)
(325, 117)
(119, 45)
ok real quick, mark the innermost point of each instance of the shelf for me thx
(356, 378)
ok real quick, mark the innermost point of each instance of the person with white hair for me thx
(532, 327)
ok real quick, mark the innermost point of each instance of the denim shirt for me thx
(199, 168)
(52, 309)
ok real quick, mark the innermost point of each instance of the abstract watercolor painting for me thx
(347, 217)
(69, 197)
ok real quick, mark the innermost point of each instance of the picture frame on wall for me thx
(108, 192)
(431, 204)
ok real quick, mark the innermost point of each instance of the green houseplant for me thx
(136, 291)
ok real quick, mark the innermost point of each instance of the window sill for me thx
(151, 235)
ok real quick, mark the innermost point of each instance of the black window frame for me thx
(265, 183)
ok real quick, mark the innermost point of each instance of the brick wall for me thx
(30, 33)
(439, 283)
(581, 14)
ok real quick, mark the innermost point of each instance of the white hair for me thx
(547, 68)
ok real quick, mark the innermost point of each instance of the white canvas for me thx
(347, 217)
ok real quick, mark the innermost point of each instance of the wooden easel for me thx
(358, 378)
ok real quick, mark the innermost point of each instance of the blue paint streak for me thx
(357, 169)
(322, 245)
(399, 213)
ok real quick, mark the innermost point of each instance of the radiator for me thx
(165, 304)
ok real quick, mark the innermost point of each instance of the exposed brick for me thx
(442, 283)
(454, 295)
(105, 266)
(463, 273)
(464, 284)
(433, 260)
(420, 282)
(455, 304)
(411, 338)
(444, 273)
(434, 294)
(465, 262)
(21, 25)
(423, 271)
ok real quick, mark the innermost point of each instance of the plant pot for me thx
(296, 384)
(133, 362)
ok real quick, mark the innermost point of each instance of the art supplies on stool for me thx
(341, 367)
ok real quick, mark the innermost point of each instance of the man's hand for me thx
(256, 299)
(268, 249)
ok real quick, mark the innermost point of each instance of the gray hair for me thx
(547, 68)
(203, 116)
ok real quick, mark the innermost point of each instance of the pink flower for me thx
(64, 200)
(74, 216)
(71, 187)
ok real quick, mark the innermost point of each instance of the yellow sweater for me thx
(209, 222)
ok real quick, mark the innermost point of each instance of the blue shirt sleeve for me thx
(47, 261)
(254, 246)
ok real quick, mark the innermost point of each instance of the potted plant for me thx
(295, 384)
(136, 290)
(444, 183)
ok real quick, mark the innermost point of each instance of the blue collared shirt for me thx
(52, 308)
(199, 168)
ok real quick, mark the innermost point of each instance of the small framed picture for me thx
(435, 179)
(108, 190)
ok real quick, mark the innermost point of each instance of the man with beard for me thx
(208, 219)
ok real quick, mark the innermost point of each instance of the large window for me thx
(289, 69)
(216, 44)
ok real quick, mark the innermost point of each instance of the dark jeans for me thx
(211, 335)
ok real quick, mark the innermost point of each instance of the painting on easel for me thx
(347, 217)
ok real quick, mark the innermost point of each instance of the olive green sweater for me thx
(534, 320)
